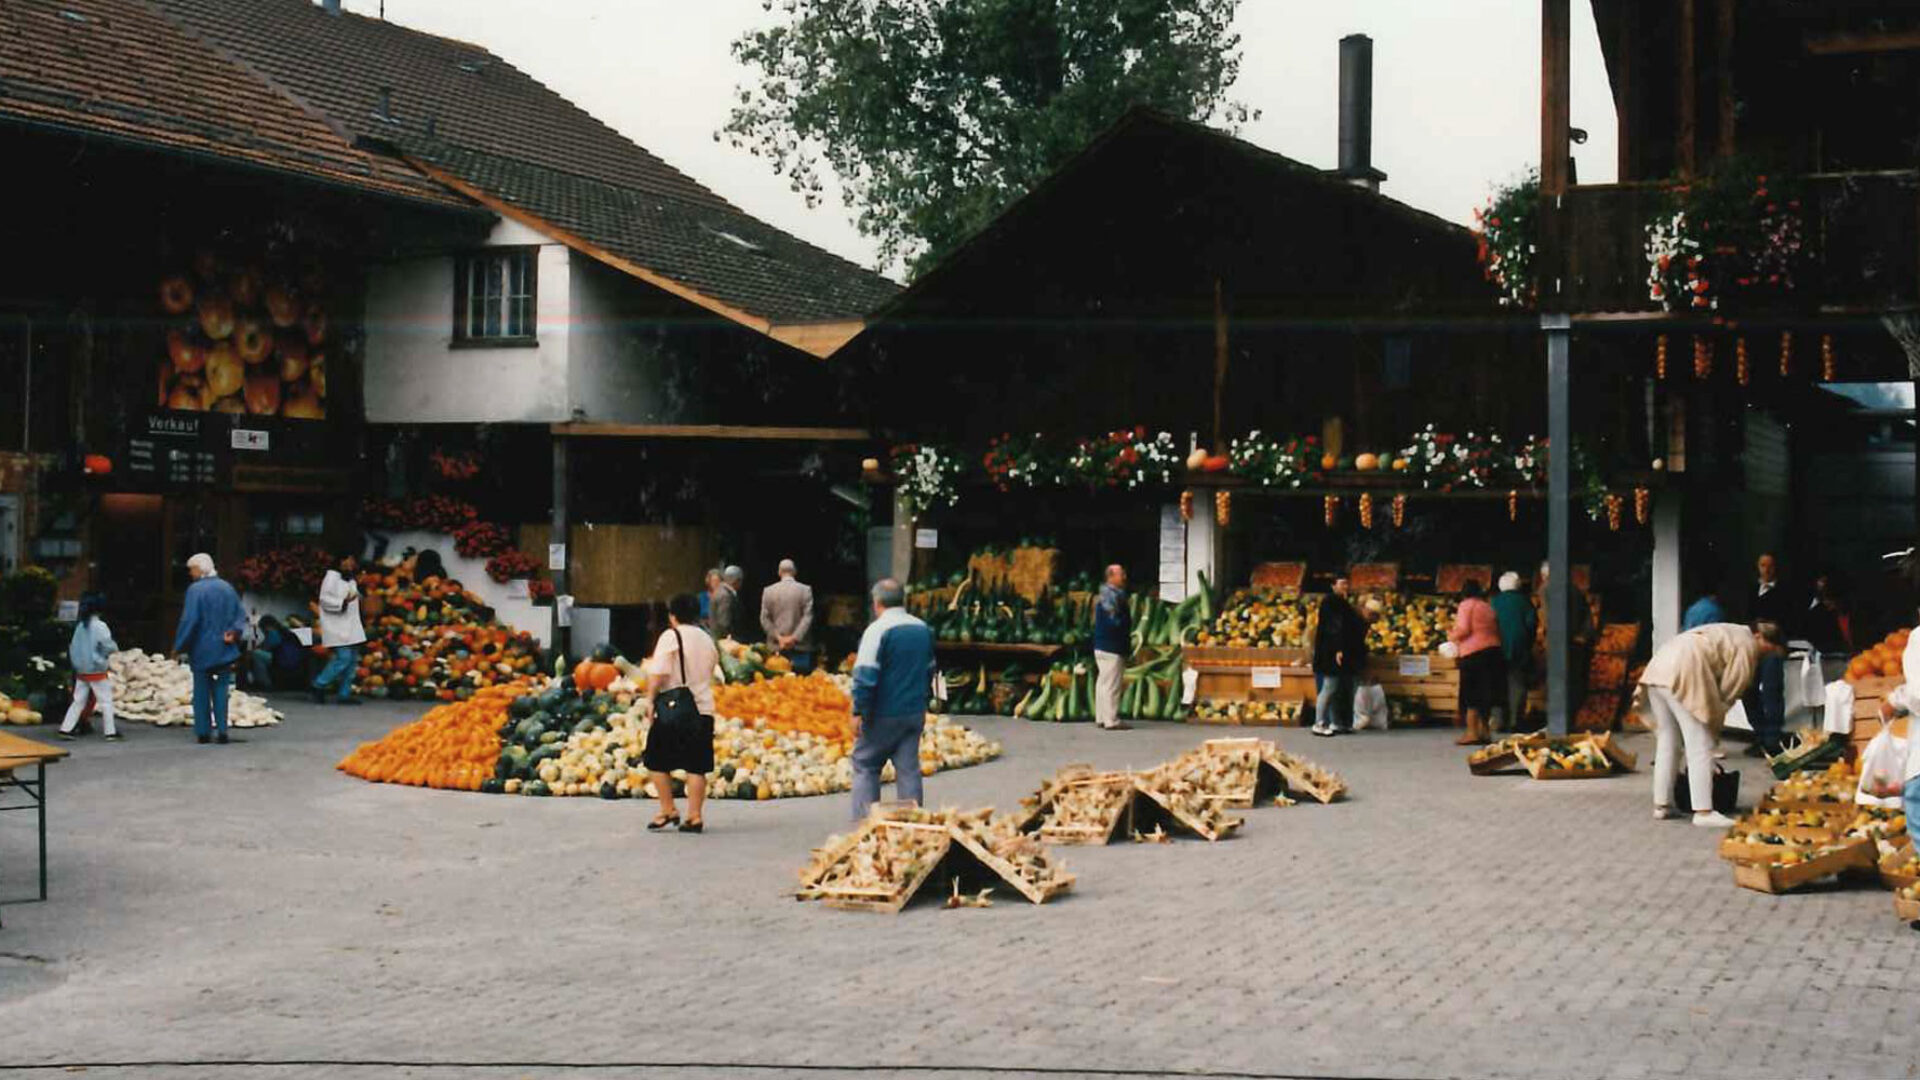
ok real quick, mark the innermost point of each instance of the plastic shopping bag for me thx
(1839, 718)
(1805, 689)
(1883, 766)
(1370, 708)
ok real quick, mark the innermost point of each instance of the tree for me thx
(935, 114)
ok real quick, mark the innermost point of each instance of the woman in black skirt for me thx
(1483, 674)
(685, 656)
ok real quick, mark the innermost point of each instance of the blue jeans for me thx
(1910, 796)
(884, 739)
(1767, 702)
(1333, 704)
(341, 665)
(210, 700)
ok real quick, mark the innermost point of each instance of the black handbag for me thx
(1726, 791)
(675, 707)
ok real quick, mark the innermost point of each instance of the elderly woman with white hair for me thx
(212, 623)
(1519, 622)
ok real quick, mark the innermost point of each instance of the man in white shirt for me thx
(340, 632)
(1904, 701)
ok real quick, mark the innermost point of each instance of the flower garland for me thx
(1022, 461)
(1736, 236)
(1128, 459)
(427, 513)
(1505, 231)
(1443, 462)
(928, 477)
(296, 569)
(1270, 463)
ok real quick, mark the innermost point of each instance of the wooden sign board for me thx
(1280, 576)
(1374, 577)
(1451, 579)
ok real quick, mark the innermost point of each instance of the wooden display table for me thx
(997, 648)
(16, 754)
(1230, 674)
(1432, 680)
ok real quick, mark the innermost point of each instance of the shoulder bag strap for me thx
(682, 642)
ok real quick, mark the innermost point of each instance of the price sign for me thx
(1416, 667)
(926, 539)
(246, 439)
(1266, 678)
(556, 556)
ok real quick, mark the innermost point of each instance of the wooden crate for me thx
(1374, 577)
(1743, 850)
(1281, 577)
(1502, 756)
(1304, 777)
(1225, 656)
(1155, 805)
(1768, 878)
(1235, 683)
(1906, 910)
(1890, 876)
(1438, 690)
(1451, 578)
(974, 844)
(888, 899)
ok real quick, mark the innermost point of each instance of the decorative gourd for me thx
(1367, 462)
(1197, 459)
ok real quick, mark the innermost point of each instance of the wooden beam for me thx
(1219, 367)
(1556, 95)
(1684, 136)
(1626, 94)
(818, 339)
(1723, 75)
(1863, 41)
(710, 431)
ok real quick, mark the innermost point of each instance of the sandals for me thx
(693, 826)
(665, 822)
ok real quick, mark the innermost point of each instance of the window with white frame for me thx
(493, 296)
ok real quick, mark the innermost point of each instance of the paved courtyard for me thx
(248, 904)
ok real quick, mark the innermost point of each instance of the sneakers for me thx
(203, 739)
(67, 736)
(222, 740)
(115, 737)
(1117, 725)
(346, 701)
(1713, 819)
(1665, 813)
(1322, 730)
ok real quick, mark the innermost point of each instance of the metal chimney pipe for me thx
(1356, 112)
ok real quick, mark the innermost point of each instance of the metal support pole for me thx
(40, 778)
(1559, 332)
(558, 535)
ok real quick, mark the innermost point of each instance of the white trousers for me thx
(101, 693)
(1673, 725)
(1106, 691)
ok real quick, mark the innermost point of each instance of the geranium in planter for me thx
(1734, 239)
(1507, 231)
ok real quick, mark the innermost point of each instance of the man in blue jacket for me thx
(892, 678)
(1112, 644)
(212, 623)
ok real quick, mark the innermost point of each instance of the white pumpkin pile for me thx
(151, 688)
(750, 761)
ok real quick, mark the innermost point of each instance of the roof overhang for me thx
(819, 339)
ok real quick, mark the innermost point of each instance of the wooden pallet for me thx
(888, 899)
(1504, 759)
(1540, 766)
(1303, 777)
(1622, 758)
(1117, 811)
(1769, 878)
(974, 843)
(1156, 802)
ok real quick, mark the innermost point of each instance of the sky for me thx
(1456, 89)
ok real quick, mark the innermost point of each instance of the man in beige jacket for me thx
(1691, 683)
(786, 614)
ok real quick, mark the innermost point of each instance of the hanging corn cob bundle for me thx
(1513, 505)
(1615, 506)
(1642, 504)
(1366, 510)
(1702, 358)
(1222, 507)
(1741, 372)
(1660, 356)
(1399, 511)
(1186, 505)
(1332, 503)
(1786, 353)
(1829, 366)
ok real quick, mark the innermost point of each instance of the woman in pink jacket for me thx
(1483, 674)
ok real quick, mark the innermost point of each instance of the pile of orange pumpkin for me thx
(812, 704)
(430, 640)
(454, 746)
(1882, 660)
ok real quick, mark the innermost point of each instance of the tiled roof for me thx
(708, 247)
(119, 68)
(461, 109)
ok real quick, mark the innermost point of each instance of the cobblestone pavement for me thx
(250, 904)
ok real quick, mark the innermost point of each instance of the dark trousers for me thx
(1767, 701)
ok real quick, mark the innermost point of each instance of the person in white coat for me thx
(340, 632)
(1903, 702)
(1691, 683)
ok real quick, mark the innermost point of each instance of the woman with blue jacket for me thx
(89, 650)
